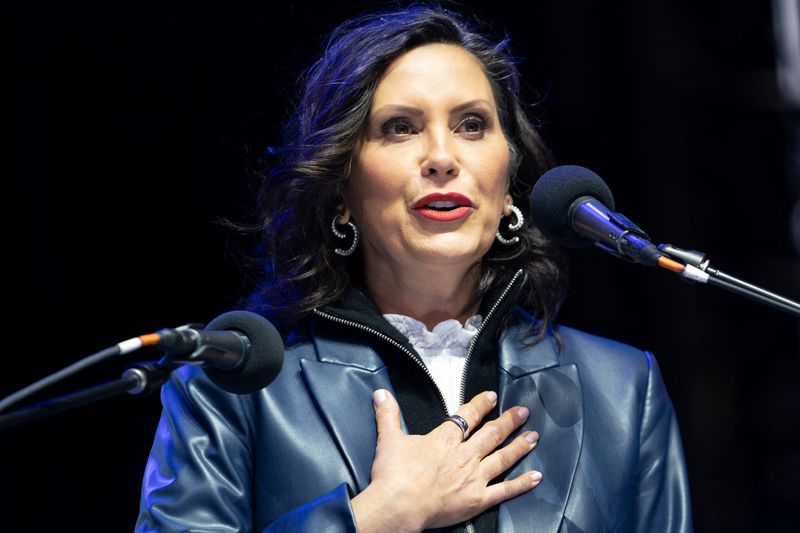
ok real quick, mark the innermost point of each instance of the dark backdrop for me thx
(132, 125)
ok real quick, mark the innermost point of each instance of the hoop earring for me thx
(340, 235)
(515, 226)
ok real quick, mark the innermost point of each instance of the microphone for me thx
(574, 207)
(241, 352)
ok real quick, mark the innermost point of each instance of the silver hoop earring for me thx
(515, 226)
(340, 235)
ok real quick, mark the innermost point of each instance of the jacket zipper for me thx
(390, 341)
(468, 525)
(474, 340)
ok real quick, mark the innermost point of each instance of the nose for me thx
(440, 159)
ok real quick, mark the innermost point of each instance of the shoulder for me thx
(587, 347)
(596, 357)
(605, 361)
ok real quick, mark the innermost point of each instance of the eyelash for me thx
(476, 117)
(389, 125)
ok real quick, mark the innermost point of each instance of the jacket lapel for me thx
(341, 383)
(532, 377)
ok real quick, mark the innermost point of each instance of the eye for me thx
(398, 126)
(472, 125)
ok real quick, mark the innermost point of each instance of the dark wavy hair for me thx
(299, 195)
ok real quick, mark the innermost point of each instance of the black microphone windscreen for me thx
(553, 195)
(261, 365)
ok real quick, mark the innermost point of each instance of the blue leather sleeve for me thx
(663, 498)
(198, 475)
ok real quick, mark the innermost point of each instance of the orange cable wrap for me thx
(149, 339)
(669, 264)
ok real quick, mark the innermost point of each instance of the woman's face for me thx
(430, 175)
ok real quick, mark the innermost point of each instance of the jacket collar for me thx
(357, 309)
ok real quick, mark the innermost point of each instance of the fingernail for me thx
(532, 437)
(378, 397)
(491, 396)
(536, 476)
(522, 412)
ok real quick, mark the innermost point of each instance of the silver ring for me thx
(461, 423)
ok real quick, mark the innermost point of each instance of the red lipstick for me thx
(444, 207)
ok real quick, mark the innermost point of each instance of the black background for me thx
(131, 127)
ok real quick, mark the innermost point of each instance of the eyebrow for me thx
(417, 112)
(478, 102)
(394, 108)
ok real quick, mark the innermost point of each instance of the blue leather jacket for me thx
(290, 456)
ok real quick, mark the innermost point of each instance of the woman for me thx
(403, 268)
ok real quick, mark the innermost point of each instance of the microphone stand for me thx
(137, 380)
(693, 266)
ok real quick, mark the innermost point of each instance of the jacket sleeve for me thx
(663, 499)
(199, 473)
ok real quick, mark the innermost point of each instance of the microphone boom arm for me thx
(137, 380)
(693, 266)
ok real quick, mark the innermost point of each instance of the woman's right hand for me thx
(440, 479)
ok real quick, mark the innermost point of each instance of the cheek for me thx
(495, 169)
(371, 190)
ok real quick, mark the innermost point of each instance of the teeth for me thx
(442, 205)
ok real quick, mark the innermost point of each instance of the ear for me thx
(344, 213)
(508, 202)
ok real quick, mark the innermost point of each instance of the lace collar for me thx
(447, 334)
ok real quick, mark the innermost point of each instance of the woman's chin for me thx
(449, 251)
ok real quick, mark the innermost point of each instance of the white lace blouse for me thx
(443, 350)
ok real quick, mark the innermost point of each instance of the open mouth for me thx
(444, 207)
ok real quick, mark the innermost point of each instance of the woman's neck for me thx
(430, 296)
